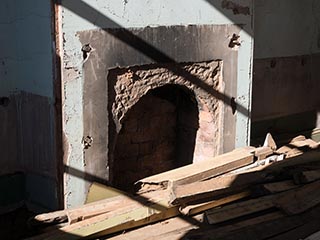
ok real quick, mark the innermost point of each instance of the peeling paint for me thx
(117, 14)
(236, 8)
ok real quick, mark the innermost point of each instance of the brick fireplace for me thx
(159, 102)
(159, 120)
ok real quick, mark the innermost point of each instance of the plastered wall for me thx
(87, 15)
(286, 59)
(27, 100)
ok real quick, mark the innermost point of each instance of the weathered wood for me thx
(296, 146)
(277, 229)
(269, 142)
(307, 176)
(182, 194)
(282, 186)
(80, 213)
(262, 152)
(214, 187)
(305, 143)
(199, 171)
(134, 212)
(239, 209)
(264, 230)
(160, 229)
(301, 199)
(177, 228)
(314, 236)
(197, 208)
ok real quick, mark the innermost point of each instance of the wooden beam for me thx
(301, 199)
(134, 212)
(214, 187)
(182, 194)
(276, 187)
(80, 213)
(201, 207)
(240, 209)
(199, 171)
(307, 176)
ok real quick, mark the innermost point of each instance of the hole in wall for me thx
(158, 134)
(4, 101)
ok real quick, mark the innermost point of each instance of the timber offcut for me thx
(250, 193)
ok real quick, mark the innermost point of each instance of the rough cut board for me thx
(282, 186)
(307, 176)
(202, 170)
(197, 208)
(182, 194)
(134, 212)
(239, 209)
(314, 236)
(177, 228)
(82, 212)
(301, 199)
(287, 228)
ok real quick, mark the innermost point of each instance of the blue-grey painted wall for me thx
(26, 79)
(286, 62)
(26, 48)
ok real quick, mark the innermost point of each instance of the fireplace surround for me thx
(157, 98)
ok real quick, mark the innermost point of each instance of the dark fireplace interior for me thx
(158, 134)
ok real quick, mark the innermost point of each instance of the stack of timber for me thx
(249, 193)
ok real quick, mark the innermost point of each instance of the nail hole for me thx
(86, 49)
(233, 105)
(4, 101)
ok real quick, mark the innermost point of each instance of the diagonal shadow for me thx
(233, 10)
(85, 11)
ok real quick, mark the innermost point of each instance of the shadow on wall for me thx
(285, 127)
(286, 67)
(85, 11)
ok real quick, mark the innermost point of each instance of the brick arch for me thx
(157, 134)
(129, 86)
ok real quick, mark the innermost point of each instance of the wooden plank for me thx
(156, 230)
(301, 199)
(220, 185)
(199, 171)
(314, 236)
(184, 194)
(305, 143)
(203, 232)
(177, 228)
(289, 227)
(236, 210)
(264, 230)
(282, 186)
(197, 208)
(79, 213)
(299, 232)
(262, 152)
(307, 176)
(135, 212)
(296, 145)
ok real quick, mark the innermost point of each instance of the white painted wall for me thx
(131, 14)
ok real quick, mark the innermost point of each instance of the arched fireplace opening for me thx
(158, 134)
